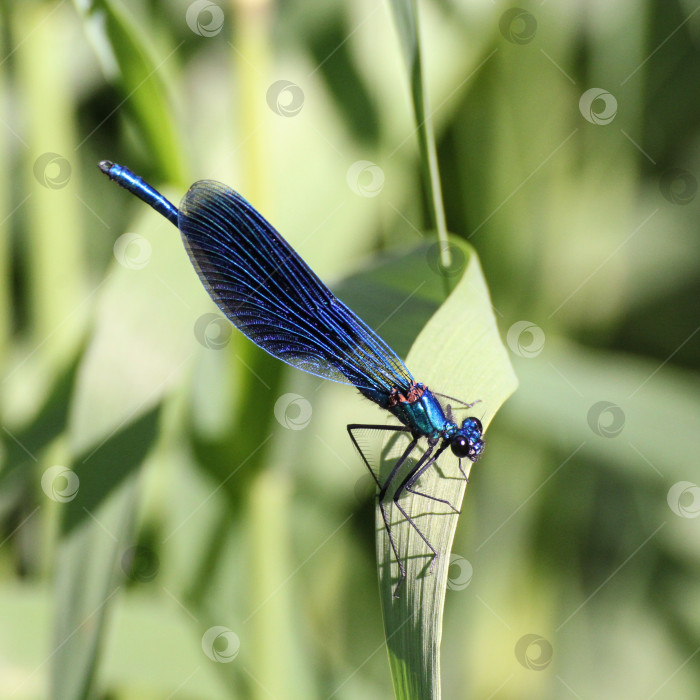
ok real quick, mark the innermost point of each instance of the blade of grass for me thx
(49, 199)
(127, 60)
(253, 41)
(458, 352)
(5, 199)
(87, 580)
(406, 18)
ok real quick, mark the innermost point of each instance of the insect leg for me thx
(423, 463)
(426, 461)
(416, 473)
(384, 487)
(362, 426)
(464, 474)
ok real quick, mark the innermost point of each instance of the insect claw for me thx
(398, 585)
(432, 563)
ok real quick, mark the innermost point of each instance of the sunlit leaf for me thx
(458, 352)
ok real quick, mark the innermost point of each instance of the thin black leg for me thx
(362, 426)
(415, 474)
(382, 507)
(384, 487)
(421, 467)
(433, 498)
(426, 460)
(464, 474)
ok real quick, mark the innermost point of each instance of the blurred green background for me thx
(221, 482)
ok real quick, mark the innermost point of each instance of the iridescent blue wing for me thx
(269, 293)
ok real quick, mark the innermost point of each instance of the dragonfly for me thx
(274, 298)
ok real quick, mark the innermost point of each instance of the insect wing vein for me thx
(269, 293)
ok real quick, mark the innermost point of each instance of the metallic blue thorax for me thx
(423, 415)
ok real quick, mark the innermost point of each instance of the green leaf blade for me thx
(459, 352)
(407, 26)
(128, 61)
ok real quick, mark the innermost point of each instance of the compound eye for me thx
(478, 425)
(460, 446)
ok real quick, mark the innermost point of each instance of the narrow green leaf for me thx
(272, 604)
(459, 352)
(127, 60)
(32, 438)
(97, 529)
(406, 18)
(49, 199)
(5, 199)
